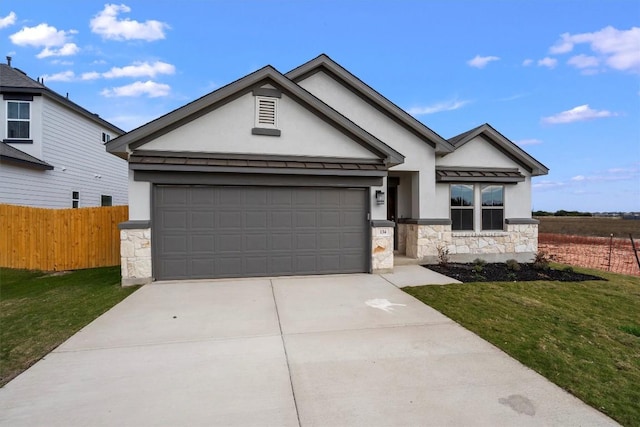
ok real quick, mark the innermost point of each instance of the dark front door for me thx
(392, 207)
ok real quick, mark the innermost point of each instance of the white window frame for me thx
(258, 110)
(28, 138)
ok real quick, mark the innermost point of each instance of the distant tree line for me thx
(561, 212)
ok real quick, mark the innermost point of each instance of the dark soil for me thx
(499, 272)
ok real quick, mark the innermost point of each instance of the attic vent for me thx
(266, 112)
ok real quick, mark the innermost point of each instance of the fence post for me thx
(610, 248)
(635, 250)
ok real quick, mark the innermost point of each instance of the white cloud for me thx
(527, 62)
(42, 35)
(613, 174)
(55, 42)
(450, 105)
(548, 185)
(578, 114)
(140, 69)
(107, 24)
(618, 49)
(583, 61)
(63, 76)
(547, 62)
(530, 141)
(481, 61)
(68, 49)
(92, 75)
(148, 88)
(578, 178)
(8, 20)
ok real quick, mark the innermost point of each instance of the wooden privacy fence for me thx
(60, 239)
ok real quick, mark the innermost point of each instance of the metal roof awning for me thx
(501, 175)
(201, 162)
(11, 154)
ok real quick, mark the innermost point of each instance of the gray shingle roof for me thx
(13, 77)
(11, 154)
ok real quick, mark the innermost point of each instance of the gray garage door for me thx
(208, 232)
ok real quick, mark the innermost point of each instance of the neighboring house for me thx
(52, 150)
(314, 172)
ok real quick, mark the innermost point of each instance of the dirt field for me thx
(589, 226)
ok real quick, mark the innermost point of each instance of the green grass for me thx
(39, 311)
(583, 336)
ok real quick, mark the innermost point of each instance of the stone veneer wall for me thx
(518, 241)
(381, 249)
(135, 254)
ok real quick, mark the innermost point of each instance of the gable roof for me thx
(11, 154)
(266, 75)
(505, 145)
(14, 80)
(374, 98)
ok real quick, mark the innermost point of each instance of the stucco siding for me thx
(228, 130)
(478, 153)
(419, 156)
(73, 145)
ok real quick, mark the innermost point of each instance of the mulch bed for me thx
(498, 272)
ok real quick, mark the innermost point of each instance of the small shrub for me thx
(513, 265)
(480, 262)
(443, 256)
(541, 261)
(568, 269)
(513, 276)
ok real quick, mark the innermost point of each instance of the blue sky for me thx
(559, 78)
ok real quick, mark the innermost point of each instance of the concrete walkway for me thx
(344, 350)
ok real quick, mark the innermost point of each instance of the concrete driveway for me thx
(346, 350)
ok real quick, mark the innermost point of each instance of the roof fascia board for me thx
(372, 97)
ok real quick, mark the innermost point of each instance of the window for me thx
(266, 112)
(492, 207)
(18, 118)
(75, 199)
(106, 137)
(106, 200)
(462, 207)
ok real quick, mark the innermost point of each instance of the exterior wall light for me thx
(380, 197)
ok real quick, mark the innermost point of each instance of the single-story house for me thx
(314, 172)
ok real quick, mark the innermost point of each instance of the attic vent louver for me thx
(266, 112)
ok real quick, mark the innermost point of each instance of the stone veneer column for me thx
(424, 236)
(135, 252)
(381, 246)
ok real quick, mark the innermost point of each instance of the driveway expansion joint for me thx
(286, 356)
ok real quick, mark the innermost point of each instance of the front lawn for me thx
(39, 311)
(583, 336)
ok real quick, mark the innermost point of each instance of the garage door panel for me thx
(175, 244)
(281, 265)
(281, 219)
(229, 219)
(202, 268)
(208, 231)
(282, 241)
(202, 220)
(255, 220)
(256, 242)
(172, 220)
(305, 219)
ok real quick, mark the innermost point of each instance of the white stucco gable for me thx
(228, 129)
(481, 153)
